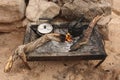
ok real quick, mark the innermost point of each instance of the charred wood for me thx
(87, 33)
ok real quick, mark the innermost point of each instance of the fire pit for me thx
(53, 50)
(69, 41)
(75, 40)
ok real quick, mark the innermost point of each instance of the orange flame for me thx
(68, 37)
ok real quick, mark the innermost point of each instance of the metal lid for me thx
(45, 28)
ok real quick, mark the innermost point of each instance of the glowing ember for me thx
(68, 37)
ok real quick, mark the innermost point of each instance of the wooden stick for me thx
(87, 33)
(22, 49)
(25, 62)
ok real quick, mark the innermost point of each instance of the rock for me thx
(25, 22)
(9, 27)
(79, 77)
(41, 9)
(114, 35)
(116, 7)
(104, 21)
(87, 7)
(102, 25)
(11, 10)
(116, 4)
(112, 46)
(110, 1)
(119, 77)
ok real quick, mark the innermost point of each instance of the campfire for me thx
(68, 37)
(47, 38)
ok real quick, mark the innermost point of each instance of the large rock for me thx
(41, 9)
(114, 35)
(116, 7)
(110, 1)
(103, 26)
(11, 10)
(90, 8)
(113, 45)
(10, 27)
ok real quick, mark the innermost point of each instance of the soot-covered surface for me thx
(93, 50)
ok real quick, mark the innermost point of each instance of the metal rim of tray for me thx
(63, 56)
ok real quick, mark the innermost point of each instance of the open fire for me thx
(68, 37)
(57, 41)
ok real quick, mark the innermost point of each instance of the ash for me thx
(54, 46)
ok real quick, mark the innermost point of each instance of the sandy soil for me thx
(56, 70)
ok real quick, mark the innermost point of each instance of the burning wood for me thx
(68, 37)
(22, 49)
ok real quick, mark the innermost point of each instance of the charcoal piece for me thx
(77, 27)
(77, 30)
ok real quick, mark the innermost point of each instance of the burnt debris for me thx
(76, 28)
(62, 37)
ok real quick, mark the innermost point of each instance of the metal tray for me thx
(97, 53)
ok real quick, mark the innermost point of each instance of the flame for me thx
(68, 37)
